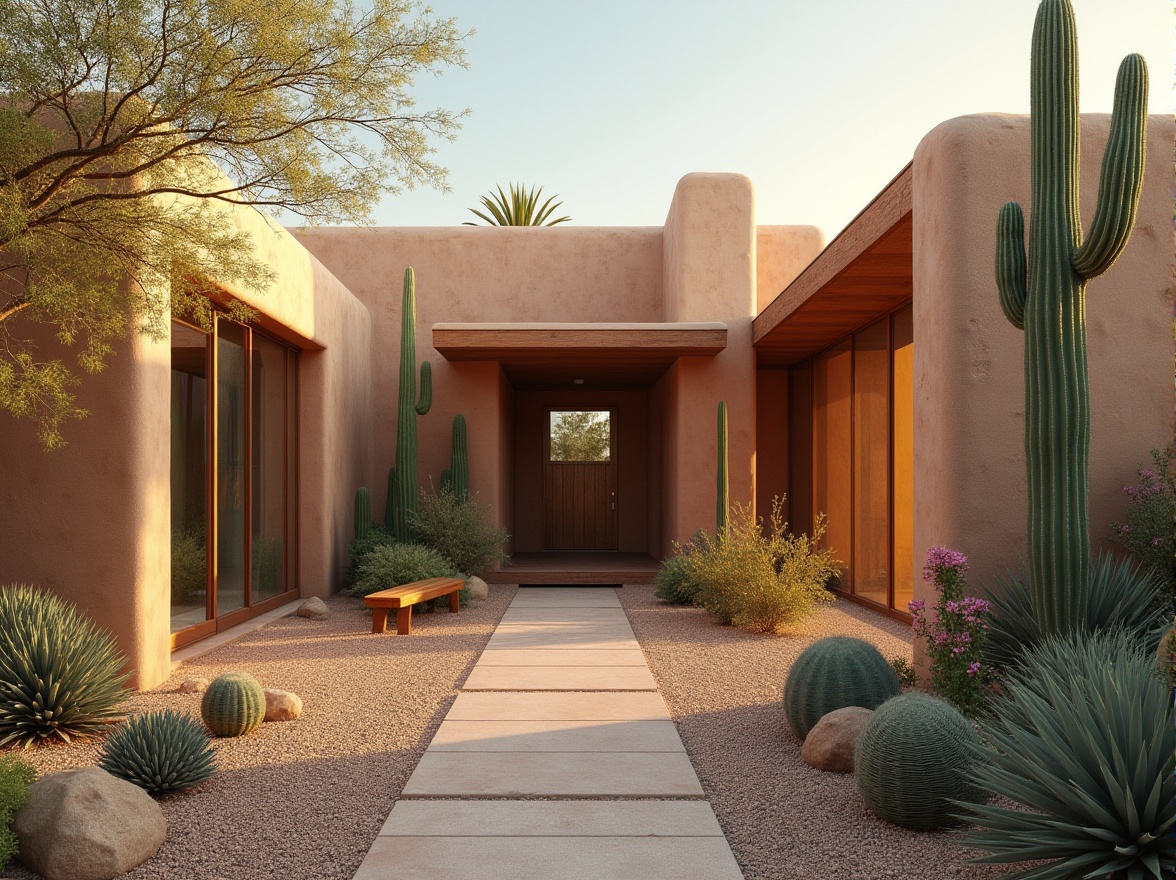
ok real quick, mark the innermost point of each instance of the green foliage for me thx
(580, 436)
(233, 705)
(1083, 744)
(723, 487)
(189, 567)
(1044, 294)
(393, 565)
(1122, 596)
(913, 759)
(675, 582)
(1166, 656)
(1149, 528)
(908, 676)
(60, 675)
(363, 514)
(459, 530)
(16, 775)
(267, 565)
(834, 673)
(128, 128)
(403, 491)
(160, 752)
(377, 536)
(522, 208)
(765, 582)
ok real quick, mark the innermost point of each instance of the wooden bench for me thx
(404, 597)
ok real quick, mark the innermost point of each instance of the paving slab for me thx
(561, 657)
(487, 818)
(548, 858)
(648, 735)
(573, 602)
(547, 638)
(550, 616)
(553, 774)
(483, 706)
(560, 678)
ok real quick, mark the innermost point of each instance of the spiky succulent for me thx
(1083, 744)
(159, 752)
(1122, 596)
(60, 675)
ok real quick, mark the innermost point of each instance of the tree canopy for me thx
(580, 436)
(129, 127)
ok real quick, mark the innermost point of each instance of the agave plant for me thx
(1122, 596)
(160, 752)
(522, 208)
(60, 676)
(1084, 745)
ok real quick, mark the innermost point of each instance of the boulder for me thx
(193, 686)
(479, 589)
(87, 825)
(314, 608)
(831, 744)
(282, 705)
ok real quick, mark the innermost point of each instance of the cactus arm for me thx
(426, 402)
(1011, 266)
(1121, 180)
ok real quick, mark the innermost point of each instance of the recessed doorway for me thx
(579, 480)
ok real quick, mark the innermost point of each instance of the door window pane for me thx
(269, 482)
(230, 467)
(871, 462)
(581, 435)
(189, 477)
(832, 414)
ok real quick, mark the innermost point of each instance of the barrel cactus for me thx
(363, 513)
(160, 752)
(1044, 295)
(834, 673)
(233, 705)
(913, 760)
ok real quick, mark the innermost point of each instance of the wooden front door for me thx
(579, 480)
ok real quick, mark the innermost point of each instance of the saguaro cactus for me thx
(723, 500)
(363, 512)
(403, 492)
(459, 464)
(1046, 297)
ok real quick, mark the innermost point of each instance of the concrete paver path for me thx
(557, 760)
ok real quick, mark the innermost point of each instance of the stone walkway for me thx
(557, 760)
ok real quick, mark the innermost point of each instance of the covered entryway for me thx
(579, 480)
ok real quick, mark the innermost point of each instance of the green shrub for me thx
(1122, 596)
(458, 529)
(1149, 527)
(675, 581)
(913, 759)
(1083, 744)
(834, 673)
(392, 565)
(160, 752)
(16, 776)
(60, 675)
(377, 536)
(765, 582)
(908, 676)
(233, 705)
(189, 567)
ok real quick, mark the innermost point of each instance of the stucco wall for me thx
(969, 469)
(781, 254)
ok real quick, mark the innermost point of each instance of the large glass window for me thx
(189, 477)
(903, 336)
(871, 462)
(832, 437)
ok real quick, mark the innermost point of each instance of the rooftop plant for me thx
(521, 208)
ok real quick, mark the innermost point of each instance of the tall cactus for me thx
(459, 465)
(363, 513)
(1046, 297)
(403, 492)
(723, 499)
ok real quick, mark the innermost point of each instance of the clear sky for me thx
(607, 103)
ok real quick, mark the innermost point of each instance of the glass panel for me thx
(581, 436)
(230, 467)
(800, 449)
(832, 387)
(904, 457)
(871, 462)
(189, 477)
(291, 470)
(268, 509)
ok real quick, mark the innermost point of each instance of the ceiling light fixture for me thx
(578, 381)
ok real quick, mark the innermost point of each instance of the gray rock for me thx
(282, 705)
(314, 608)
(831, 744)
(87, 825)
(193, 686)
(479, 589)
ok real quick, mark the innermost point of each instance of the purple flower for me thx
(917, 606)
(973, 669)
(941, 559)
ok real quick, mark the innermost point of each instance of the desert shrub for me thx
(160, 752)
(675, 581)
(1149, 527)
(1122, 596)
(908, 676)
(189, 567)
(763, 581)
(458, 529)
(377, 536)
(391, 565)
(16, 776)
(1082, 743)
(60, 675)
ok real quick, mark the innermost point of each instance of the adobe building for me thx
(874, 380)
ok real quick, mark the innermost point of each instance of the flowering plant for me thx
(954, 631)
(1149, 528)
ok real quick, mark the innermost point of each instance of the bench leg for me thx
(379, 620)
(454, 603)
(404, 620)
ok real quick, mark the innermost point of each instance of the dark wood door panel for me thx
(579, 509)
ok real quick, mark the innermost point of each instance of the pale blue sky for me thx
(607, 103)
